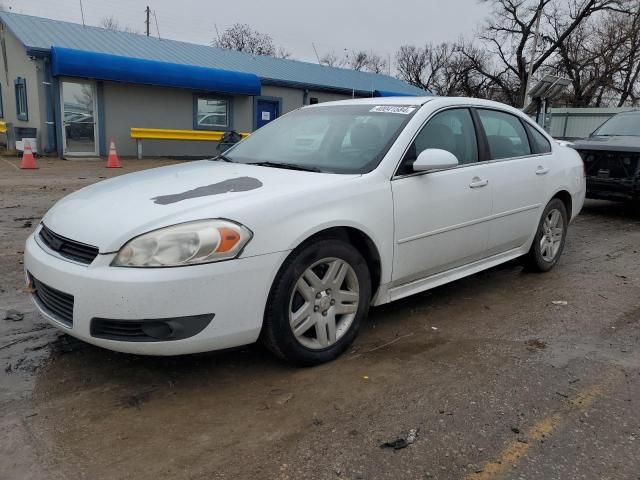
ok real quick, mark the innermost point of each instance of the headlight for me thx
(203, 241)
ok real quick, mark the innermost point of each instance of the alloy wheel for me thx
(552, 233)
(324, 303)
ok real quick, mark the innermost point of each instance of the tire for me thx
(310, 305)
(543, 255)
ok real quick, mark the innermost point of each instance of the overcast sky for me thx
(332, 25)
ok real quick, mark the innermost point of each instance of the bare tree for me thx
(376, 63)
(507, 36)
(243, 38)
(589, 59)
(412, 63)
(359, 60)
(331, 59)
(629, 75)
(443, 69)
(111, 23)
(283, 53)
(601, 59)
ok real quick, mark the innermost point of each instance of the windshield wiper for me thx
(614, 135)
(288, 166)
(223, 157)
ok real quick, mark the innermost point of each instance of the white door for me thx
(441, 217)
(518, 173)
(79, 118)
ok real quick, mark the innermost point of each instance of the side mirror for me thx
(434, 159)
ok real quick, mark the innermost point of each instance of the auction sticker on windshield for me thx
(393, 109)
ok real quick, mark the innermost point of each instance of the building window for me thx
(21, 99)
(313, 101)
(212, 113)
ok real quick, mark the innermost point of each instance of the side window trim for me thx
(532, 144)
(481, 137)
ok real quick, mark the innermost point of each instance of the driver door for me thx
(441, 217)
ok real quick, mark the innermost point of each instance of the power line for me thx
(155, 17)
(316, 52)
(82, 13)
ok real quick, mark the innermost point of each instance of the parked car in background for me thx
(290, 235)
(611, 156)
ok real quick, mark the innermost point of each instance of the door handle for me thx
(542, 170)
(477, 182)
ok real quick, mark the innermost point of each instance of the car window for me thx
(540, 142)
(451, 130)
(306, 137)
(623, 124)
(337, 139)
(505, 133)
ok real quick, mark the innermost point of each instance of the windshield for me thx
(335, 139)
(626, 124)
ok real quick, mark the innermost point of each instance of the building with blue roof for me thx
(76, 87)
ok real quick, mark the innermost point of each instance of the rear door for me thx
(518, 169)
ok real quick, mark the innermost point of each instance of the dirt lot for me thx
(500, 381)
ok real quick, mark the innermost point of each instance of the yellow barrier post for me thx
(139, 134)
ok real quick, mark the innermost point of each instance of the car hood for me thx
(618, 144)
(109, 213)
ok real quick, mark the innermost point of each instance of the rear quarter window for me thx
(539, 142)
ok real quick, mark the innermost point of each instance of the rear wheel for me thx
(317, 303)
(550, 237)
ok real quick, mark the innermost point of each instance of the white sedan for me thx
(289, 241)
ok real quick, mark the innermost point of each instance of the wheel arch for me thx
(356, 237)
(565, 197)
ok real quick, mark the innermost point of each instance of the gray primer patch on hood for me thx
(240, 184)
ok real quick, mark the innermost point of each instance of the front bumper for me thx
(620, 189)
(234, 291)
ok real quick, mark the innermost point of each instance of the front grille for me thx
(54, 302)
(604, 164)
(76, 251)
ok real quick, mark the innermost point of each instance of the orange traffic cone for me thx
(28, 161)
(113, 161)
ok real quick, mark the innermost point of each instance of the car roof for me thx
(377, 101)
(419, 101)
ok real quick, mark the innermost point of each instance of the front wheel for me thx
(550, 237)
(317, 303)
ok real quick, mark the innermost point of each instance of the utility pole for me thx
(533, 54)
(148, 12)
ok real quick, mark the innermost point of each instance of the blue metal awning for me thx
(385, 93)
(102, 66)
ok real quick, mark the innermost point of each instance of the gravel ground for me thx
(499, 381)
